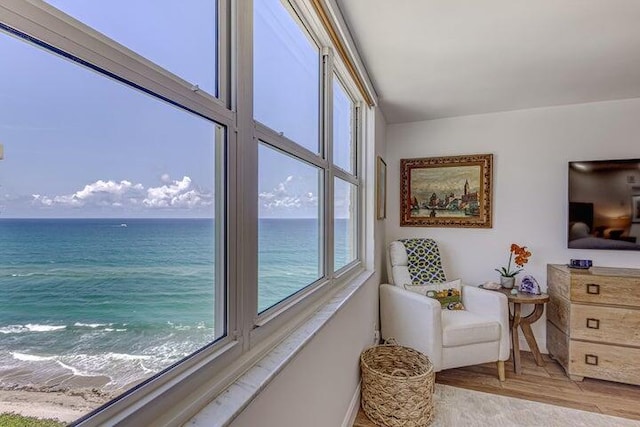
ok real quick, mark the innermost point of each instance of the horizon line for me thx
(134, 218)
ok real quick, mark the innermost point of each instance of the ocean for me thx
(121, 299)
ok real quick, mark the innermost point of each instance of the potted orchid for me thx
(508, 273)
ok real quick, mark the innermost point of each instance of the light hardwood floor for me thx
(546, 384)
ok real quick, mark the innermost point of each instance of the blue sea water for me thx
(123, 299)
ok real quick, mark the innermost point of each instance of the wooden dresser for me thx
(593, 322)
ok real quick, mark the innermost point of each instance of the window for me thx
(113, 250)
(345, 184)
(289, 226)
(344, 153)
(345, 235)
(113, 224)
(287, 99)
(182, 39)
(165, 212)
(286, 77)
(293, 166)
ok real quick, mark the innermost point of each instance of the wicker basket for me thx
(397, 386)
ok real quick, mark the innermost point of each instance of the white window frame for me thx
(188, 386)
(202, 370)
(268, 322)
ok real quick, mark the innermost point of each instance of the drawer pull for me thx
(593, 323)
(591, 359)
(593, 289)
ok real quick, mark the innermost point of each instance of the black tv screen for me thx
(604, 204)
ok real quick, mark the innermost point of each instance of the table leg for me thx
(514, 338)
(528, 333)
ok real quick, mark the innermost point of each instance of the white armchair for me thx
(450, 338)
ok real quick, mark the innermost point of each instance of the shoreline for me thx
(61, 396)
(65, 405)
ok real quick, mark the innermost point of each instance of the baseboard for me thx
(354, 407)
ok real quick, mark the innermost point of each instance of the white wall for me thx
(316, 388)
(531, 149)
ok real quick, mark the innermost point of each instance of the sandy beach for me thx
(65, 397)
(65, 406)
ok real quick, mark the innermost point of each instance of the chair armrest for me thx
(493, 305)
(413, 320)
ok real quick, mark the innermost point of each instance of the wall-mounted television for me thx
(604, 204)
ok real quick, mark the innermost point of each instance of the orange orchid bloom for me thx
(522, 257)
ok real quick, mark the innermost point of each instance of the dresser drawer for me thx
(605, 324)
(605, 289)
(607, 362)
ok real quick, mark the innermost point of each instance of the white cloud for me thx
(287, 195)
(177, 194)
(99, 193)
(174, 194)
(43, 200)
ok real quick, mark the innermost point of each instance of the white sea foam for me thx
(121, 368)
(75, 371)
(12, 329)
(91, 325)
(30, 357)
(18, 329)
(124, 356)
(43, 328)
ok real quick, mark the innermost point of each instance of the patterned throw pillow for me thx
(424, 266)
(449, 294)
(450, 299)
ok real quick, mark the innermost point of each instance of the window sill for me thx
(235, 398)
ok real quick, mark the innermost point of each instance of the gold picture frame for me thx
(381, 189)
(452, 191)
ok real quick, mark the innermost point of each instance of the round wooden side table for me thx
(516, 320)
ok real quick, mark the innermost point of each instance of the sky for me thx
(78, 144)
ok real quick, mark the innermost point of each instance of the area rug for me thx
(461, 407)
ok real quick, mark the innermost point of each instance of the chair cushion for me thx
(424, 261)
(461, 327)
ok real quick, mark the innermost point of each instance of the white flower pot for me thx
(507, 282)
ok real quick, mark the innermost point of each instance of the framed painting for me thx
(452, 191)
(635, 208)
(381, 189)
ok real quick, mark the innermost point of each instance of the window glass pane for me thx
(289, 235)
(286, 78)
(344, 152)
(179, 37)
(345, 236)
(107, 248)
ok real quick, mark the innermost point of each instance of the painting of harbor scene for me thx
(447, 191)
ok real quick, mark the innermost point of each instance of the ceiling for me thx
(431, 59)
